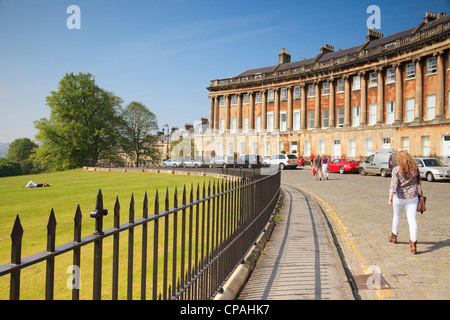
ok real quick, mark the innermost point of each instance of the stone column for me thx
(227, 113)
(264, 110)
(239, 112)
(347, 102)
(251, 113)
(398, 94)
(317, 105)
(380, 96)
(418, 100)
(211, 113)
(303, 107)
(440, 72)
(216, 113)
(276, 113)
(331, 108)
(290, 110)
(363, 113)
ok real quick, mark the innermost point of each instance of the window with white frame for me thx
(321, 146)
(270, 121)
(283, 121)
(270, 96)
(297, 92)
(268, 151)
(310, 119)
(245, 125)
(352, 148)
(246, 95)
(340, 86)
(283, 94)
(311, 90)
(409, 109)
(219, 150)
(431, 65)
(385, 143)
(390, 75)
(325, 118)
(390, 107)
(325, 88)
(258, 97)
(222, 102)
(405, 143)
(258, 123)
(431, 107)
(255, 147)
(372, 113)
(356, 116)
(233, 125)
(368, 147)
(243, 147)
(425, 146)
(280, 146)
(356, 85)
(296, 122)
(221, 125)
(373, 79)
(234, 100)
(307, 148)
(340, 117)
(410, 70)
(230, 147)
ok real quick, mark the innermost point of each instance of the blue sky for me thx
(165, 53)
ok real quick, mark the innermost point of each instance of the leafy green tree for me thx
(83, 124)
(21, 151)
(138, 134)
(9, 168)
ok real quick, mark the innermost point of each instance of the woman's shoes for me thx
(413, 246)
(392, 238)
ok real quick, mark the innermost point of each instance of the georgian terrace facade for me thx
(388, 93)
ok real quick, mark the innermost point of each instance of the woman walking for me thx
(324, 167)
(403, 194)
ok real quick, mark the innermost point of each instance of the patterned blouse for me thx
(402, 187)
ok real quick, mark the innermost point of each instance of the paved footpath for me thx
(300, 261)
(357, 210)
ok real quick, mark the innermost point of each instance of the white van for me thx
(379, 163)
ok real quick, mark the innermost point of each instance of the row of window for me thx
(356, 85)
(372, 116)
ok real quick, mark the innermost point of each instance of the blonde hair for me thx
(406, 163)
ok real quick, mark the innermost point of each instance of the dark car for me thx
(250, 161)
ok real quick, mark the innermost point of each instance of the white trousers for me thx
(31, 184)
(411, 210)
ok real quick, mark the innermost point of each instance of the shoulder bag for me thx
(421, 207)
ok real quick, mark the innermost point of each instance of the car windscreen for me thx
(291, 156)
(433, 163)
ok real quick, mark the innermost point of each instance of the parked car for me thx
(343, 165)
(301, 161)
(282, 161)
(222, 161)
(172, 163)
(193, 164)
(379, 163)
(433, 169)
(250, 161)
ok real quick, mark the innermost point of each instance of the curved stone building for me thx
(389, 92)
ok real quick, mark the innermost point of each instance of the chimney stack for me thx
(373, 35)
(284, 56)
(327, 49)
(429, 16)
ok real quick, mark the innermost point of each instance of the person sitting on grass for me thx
(31, 184)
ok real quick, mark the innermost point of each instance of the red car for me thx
(343, 165)
(301, 161)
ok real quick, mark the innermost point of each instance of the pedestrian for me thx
(403, 194)
(311, 158)
(318, 167)
(324, 167)
(31, 184)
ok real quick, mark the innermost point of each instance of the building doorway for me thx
(336, 152)
(445, 148)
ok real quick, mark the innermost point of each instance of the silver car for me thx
(433, 169)
(193, 164)
(171, 163)
(282, 161)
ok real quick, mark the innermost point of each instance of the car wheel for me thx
(341, 170)
(224, 166)
(196, 165)
(165, 165)
(249, 166)
(281, 166)
(430, 177)
(362, 172)
(383, 173)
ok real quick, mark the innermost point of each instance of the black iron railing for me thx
(196, 245)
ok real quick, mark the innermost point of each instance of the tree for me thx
(20, 151)
(139, 126)
(9, 168)
(83, 123)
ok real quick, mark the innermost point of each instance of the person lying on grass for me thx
(31, 184)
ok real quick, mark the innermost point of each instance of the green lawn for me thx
(69, 189)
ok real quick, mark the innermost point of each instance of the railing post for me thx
(16, 251)
(50, 270)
